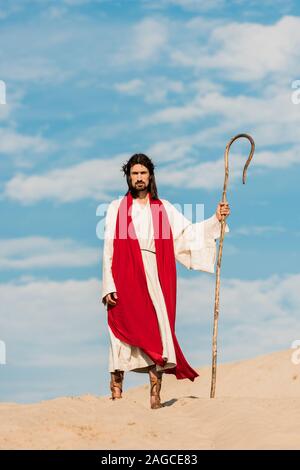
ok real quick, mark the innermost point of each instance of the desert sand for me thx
(257, 406)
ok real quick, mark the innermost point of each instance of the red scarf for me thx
(133, 319)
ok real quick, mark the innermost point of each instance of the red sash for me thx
(133, 319)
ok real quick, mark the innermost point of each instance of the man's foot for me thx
(116, 384)
(155, 386)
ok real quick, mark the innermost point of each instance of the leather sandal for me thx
(116, 384)
(155, 386)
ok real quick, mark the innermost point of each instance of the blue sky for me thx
(88, 84)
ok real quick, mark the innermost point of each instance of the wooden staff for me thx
(217, 289)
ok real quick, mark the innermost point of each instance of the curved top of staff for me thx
(236, 137)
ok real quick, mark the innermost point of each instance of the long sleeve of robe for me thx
(194, 247)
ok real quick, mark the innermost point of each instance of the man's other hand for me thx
(110, 298)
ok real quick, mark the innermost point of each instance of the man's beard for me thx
(136, 189)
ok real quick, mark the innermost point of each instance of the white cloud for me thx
(187, 174)
(47, 305)
(271, 118)
(247, 302)
(189, 5)
(150, 35)
(171, 150)
(12, 142)
(247, 51)
(240, 51)
(41, 252)
(34, 68)
(173, 114)
(207, 175)
(49, 323)
(39, 51)
(273, 108)
(131, 88)
(154, 90)
(56, 339)
(101, 46)
(279, 159)
(94, 179)
(77, 2)
(145, 43)
(259, 230)
(256, 316)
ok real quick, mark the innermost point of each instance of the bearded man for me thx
(144, 236)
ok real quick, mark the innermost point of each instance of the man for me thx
(143, 237)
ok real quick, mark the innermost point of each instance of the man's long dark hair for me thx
(142, 159)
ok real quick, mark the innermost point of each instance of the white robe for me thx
(194, 247)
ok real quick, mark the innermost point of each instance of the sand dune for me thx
(257, 406)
